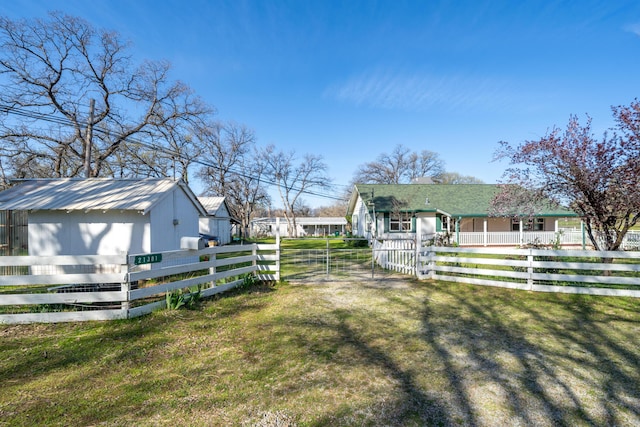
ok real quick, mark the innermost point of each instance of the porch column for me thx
(521, 231)
(458, 231)
(555, 226)
(486, 237)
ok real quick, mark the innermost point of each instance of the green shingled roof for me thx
(460, 200)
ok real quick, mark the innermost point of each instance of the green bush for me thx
(357, 243)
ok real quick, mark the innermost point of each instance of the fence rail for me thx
(564, 237)
(76, 288)
(563, 271)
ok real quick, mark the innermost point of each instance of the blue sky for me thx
(349, 80)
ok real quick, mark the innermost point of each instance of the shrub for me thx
(183, 298)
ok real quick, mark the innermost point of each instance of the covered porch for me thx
(564, 237)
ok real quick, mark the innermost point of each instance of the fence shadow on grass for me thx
(550, 362)
(411, 403)
(495, 356)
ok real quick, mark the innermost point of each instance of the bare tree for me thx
(233, 169)
(294, 179)
(456, 178)
(338, 208)
(247, 192)
(400, 167)
(224, 146)
(597, 178)
(71, 93)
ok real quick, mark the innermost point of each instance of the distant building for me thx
(307, 227)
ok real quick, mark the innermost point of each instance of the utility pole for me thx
(89, 140)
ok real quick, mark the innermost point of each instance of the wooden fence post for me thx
(530, 269)
(432, 262)
(125, 286)
(212, 270)
(254, 254)
(278, 249)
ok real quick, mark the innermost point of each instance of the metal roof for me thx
(211, 204)
(91, 194)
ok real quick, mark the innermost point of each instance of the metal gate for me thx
(362, 260)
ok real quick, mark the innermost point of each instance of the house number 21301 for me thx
(147, 259)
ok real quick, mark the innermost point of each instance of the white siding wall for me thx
(222, 212)
(219, 227)
(425, 224)
(209, 226)
(360, 220)
(94, 233)
(165, 235)
(224, 231)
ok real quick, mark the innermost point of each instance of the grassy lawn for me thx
(317, 243)
(394, 352)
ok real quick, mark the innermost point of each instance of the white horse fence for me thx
(76, 288)
(565, 271)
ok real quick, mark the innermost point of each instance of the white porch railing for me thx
(515, 238)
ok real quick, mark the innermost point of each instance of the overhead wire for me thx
(63, 121)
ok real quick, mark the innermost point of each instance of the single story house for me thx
(99, 216)
(307, 226)
(216, 225)
(459, 212)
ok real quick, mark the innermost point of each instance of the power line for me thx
(63, 121)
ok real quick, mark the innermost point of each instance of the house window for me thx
(530, 224)
(399, 223)
(538, 224)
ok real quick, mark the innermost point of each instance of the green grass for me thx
(314, 243)
(399, 353)
(321, 243)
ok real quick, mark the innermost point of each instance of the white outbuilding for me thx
(216, 225)
(104, 216)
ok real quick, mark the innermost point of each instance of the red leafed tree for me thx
(599, 179)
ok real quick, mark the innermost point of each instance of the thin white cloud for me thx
(415, 92)
(633, 28)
